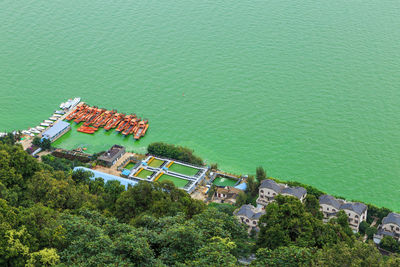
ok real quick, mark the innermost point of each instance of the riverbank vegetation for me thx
(52, 216)
(174, 152)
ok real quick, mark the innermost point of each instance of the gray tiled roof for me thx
(247, 211)
(294, 191)
(271, 184)
(392, 218)
(357, 207)
(330, 200)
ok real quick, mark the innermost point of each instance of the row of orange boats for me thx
(94, 118)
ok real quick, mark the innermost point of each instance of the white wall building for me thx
(269, 189)
(249, 215)
(355, 211)
(390, 227)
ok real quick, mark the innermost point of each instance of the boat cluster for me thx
(94, 118)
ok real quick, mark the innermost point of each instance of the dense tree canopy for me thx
(50, 215)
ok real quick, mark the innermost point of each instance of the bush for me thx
(174, 152)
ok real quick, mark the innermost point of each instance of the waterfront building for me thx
(269, 189)
(56, 131)
(249, 215)
(390, 227)
(356, 211)
(227, 194)
(111, 156)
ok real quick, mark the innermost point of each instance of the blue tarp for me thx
(126, 172)
(242, 186)
(108, 177)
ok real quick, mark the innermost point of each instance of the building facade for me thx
(249, 215)
(269, 189)
(355, 211)
(390, 227)
(56, 131)
(111, 156)
(227, 194)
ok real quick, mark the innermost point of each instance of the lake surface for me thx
(309, 90)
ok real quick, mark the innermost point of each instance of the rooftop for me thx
(330, 200)
(393, 218)
(271, 184)
(107, 177)
(357, 207)
(55, 129)
(298, 192)
(248, 211)
(112, 152)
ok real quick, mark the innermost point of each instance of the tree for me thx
(283, 256)
(252, 186)
(360, 254)
(363, 227)
(44, 257)
(241, 199)
(261, 174)
(215, 253)
(390, 244)
(312, 206)
(286, 222)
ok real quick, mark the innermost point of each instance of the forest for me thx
(52, 216)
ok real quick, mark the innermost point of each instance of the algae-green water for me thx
(308, 89)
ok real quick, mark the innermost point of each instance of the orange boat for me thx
(114, 121)
(130, 128)
(89, 130)
(74, 113)
(124, 123)
(139, 132)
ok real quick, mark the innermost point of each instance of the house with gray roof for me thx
(390, 226)
(111, 156)
(269, 189)
(356, 211)
(249, 215)
(298, 192)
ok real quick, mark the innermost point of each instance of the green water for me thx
(183, 169)
(307, 89)
(178, 182)
(220, 181)
(144, 174)
(130, 165)
(156, 163)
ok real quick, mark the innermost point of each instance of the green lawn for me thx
(178, 182)
(156, 163)
(220, 181)
(175, 167)
(143, 174)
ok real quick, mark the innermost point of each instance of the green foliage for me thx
(60, 164)
(261, 174)
(174, 152)
(43, 143)
(53, 216)
(360, 254)
(370, 232)
(375, 212)
(287, 223)
(284, 256)
(390, 244)
(363, 227)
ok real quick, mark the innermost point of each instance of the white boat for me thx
(44, 124)
(31, 134)
(53, 118)
(57, 115)
(48, 121)
(33, 130)
(25, 132)
(59, 112)
(40, 128)
(3, 134)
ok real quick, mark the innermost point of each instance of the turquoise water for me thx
(309, 90)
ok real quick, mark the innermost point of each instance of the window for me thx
(247, 220)
(333, 210)
(397, 228)
(262, 191)
(357, 216)
(254, 222)
(327, 208)
(356, 221)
